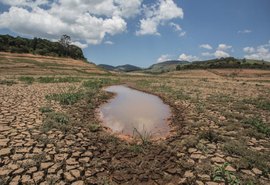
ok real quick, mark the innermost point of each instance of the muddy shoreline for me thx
(130, 138)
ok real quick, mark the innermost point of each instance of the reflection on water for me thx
(132, 109)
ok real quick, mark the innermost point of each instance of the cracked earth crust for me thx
(30, 156)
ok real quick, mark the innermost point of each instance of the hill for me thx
(165, 66)
(41, 47)
(228, 62)
(29, 64)
(121, 68)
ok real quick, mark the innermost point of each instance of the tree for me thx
(178, 68)
(65, 41)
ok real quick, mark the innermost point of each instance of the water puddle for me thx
(132, 111)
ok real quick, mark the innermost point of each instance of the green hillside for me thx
(121, 68)
(39, 46)
(165, 66)
(229, 62)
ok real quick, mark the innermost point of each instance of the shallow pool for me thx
(132, 111)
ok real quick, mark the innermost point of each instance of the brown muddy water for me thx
(132, 110)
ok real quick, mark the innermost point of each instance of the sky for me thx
(145, 32)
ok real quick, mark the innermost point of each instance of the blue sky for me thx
(143, 32)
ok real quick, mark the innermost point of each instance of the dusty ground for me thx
(28, 64)
(50, 133)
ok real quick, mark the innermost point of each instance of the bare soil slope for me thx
(28, 64)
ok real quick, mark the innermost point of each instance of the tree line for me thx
(62, 48)
(228, 62)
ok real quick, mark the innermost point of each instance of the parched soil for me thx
(50, 133)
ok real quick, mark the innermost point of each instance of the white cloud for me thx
(163, 58)
(182, 34)
(220, 54)
(206, 46)
(176, 27)
(249, 49)
(223, 47)
(207, 54)
(29, 3)
(109, 42)
(157, 14)
(244, 31)
(79, 44)
(261, 52)
(83, 20)
(190, 58)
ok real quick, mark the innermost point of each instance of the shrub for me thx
(66, 98)
(58, 80)
(56, 120)
(45, 109)
(7, 82)
(27, 79)
(210, 135)
(259, 125)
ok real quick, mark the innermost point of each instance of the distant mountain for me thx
(107, 67)
(121, 68)
(229, 62)
(165, 66)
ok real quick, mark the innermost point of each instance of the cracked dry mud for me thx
(30, 156)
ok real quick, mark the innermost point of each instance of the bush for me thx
(58, 80)
(66, 98)
(7, 82)
(211, 136)
(55, 120)
(27, 79)
(259, 125)
(45, 109)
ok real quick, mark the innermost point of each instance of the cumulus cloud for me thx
(206, 46)
(261, 52)
(221, 51)
(79, 44)
(220, 54)
(223, 47)
(109, 42)
(182, 34)
(176, 27)
(154, 15)
(88, 21)
(29, 3)
(189, 58)
(244, 31)
(249, 50)
(163, 58)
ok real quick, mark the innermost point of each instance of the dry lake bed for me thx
(51, 133)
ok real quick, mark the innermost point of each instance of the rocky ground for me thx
(44, 141)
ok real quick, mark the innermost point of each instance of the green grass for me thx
(259, 125)
(220, 174)
(260, 103)
(211, 136)
(27, 79)
(56, 120)
(94, 127)
(58, 80)
(7, 82)
(66, 98)
(248, 158)
(99, 83)
(45, 109)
